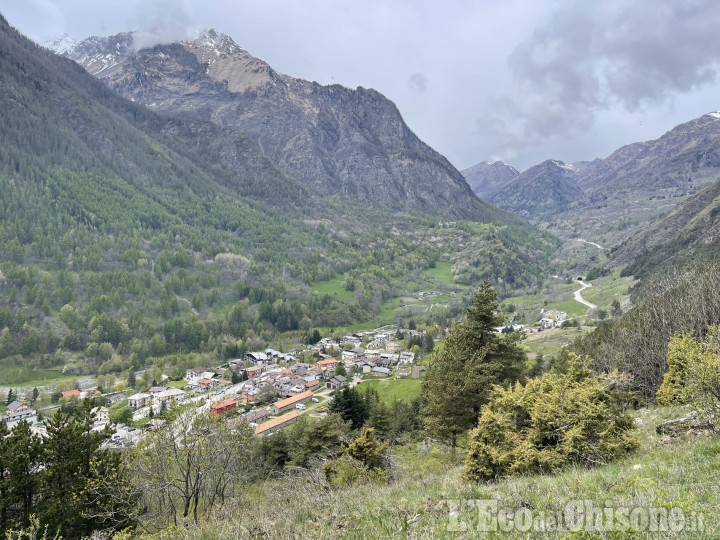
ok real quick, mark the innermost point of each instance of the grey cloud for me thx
(417, 82)
(594, 56)
(161, 21)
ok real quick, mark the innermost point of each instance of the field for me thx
(25, 377)
(609, 288)
(560, 296)
(334, 286)
(441, 272)
(551, 341)
(390, 389)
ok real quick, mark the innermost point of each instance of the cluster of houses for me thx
(551, 318)
(265, 379)
(269, 376)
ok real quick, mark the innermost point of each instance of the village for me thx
(269, 389)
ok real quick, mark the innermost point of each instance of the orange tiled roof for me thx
(276, 422)
(71, 393)
(222, 404)
(327, 362)
(294, 399)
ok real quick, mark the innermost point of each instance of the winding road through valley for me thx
(578, 296)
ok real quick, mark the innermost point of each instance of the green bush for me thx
(552, 421)
(365, 460)
(682, 351)
(693, 374)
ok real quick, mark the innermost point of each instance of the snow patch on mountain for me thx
(60, 45)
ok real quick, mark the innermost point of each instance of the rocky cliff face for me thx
(333, 139)
(489, 177)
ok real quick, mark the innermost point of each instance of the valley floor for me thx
(669, 484)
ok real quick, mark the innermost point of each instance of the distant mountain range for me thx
(331, 139)
(609, 199)
(489, 177)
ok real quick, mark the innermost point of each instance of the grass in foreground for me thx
(680, 473)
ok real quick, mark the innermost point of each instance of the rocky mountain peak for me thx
(97, 54)
(556, 164)
(60, 44)
(541, 191)
(488, 177)
(227, 62)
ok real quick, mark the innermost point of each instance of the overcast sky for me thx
(517, 80)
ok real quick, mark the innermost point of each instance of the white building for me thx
(140, 400)
(170, 395)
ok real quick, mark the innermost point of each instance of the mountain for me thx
(488, 177)
(687, 156)
(689, 233)
(610, 199)
(334, 140)
(542, 191)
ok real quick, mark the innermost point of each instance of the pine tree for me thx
(474, 358)
(350, 406)
(367, 450)
(380, 419)
(20, 459)
(72, 457)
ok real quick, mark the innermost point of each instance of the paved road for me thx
(583, 285)
(593, 244)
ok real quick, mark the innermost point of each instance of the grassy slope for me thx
(683, 473)
(333, 287)
(441, 272)
(391, 389)
(561, 296)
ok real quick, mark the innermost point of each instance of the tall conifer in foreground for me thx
(474, 358)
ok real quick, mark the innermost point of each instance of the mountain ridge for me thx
(627, 190)
(333, 139)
